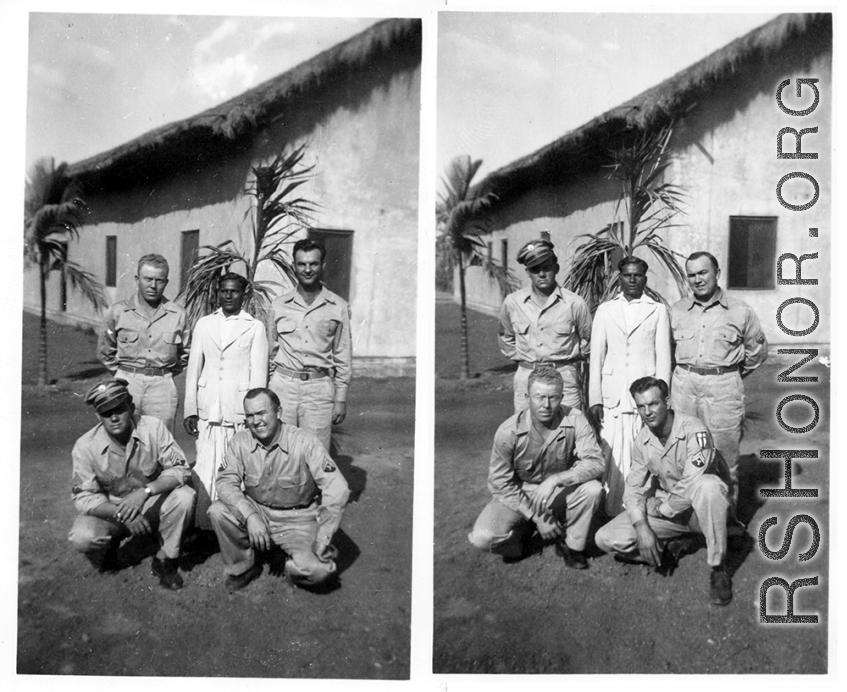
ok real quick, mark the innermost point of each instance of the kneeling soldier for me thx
(293, 495)
(544, 469)
(677, 486)
(129, 480)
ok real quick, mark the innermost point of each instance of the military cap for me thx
(108, 394)
(536, 252)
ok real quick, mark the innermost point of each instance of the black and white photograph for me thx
(219, 341)
(634, 218)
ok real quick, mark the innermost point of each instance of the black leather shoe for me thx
(574, 559)
(109, 563)
(168, 573)
(236, 582)
(720, 586)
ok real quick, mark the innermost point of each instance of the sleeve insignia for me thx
(761, 339)
(329, 467)
(699, 460)
(704, 440)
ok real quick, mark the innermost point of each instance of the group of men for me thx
(261, 404)
(661, 440)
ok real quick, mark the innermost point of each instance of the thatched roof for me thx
(586, 148)
(220, 128)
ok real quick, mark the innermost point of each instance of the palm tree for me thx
(53, 214)
(460, 219)
(646, 206)
(275, 219)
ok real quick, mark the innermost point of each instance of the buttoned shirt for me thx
(313, 336)
(570, 447)
(560, 330)
(101, 468)
(675, 466)
(291, 472)
(725, 332)
(129, 337)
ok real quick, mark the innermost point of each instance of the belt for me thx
(310, 504)
(144, 371)
(304, 375)
(717, 370)
(537, 365)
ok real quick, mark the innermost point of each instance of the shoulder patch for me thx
(704, 439)
(329, 467)
(761, 339)
(699, 460)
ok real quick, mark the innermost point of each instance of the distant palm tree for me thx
(53, 213)
(646, 206)
(460, 220)
(275, 220)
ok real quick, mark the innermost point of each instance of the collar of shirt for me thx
(165, 305)
(677, 433)
(102, 438)
(643, 299)
(240, 316)
(551, 299)
(281, 441)
(524, 422)
(294, 296)
(719, 298)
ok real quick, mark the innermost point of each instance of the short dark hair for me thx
(545, 376)
(633, 260)
(232, 276)
(702, 253)
(307, 245)
(256, 392)
(643, 384)
(154, 260)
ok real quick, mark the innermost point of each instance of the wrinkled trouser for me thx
(293, 530)
(718, 401)
(618, 433)
(307, 404)
(168, 513)
(498, 528)
(570, 387)
(153, 395)
(212, 441)
(707, 516)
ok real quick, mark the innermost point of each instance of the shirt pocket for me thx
(285, 325)
(172, 338)
(127, 336)
(291, 491)
(252, 480)
(725, 342)
(521, 329)
(328, 328)
(686, 344)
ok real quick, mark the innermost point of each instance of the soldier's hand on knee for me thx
(648, 544)
(257, 533)
(548, 527)
(139, 526)
(130, 505)
(540, 496)
(653, 507)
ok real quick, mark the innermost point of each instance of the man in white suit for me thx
(228, 357)
(630, 339)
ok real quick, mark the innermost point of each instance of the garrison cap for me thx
(108, 394)
(536, 252)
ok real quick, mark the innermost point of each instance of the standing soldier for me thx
(630, 338)
(544, 325)
(142, 341)
(311, 354)
(229, 356)
(718, 343)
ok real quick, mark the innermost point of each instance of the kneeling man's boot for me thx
(720, 586)
(167, 572)
(575, 559)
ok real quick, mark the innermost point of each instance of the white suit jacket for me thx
(226, 369)
(620, 355)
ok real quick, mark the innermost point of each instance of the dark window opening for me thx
(111, 261)
(504, 253)
(188, 255)
(752, 252)
(339, 258)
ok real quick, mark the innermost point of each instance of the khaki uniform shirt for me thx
(313, 336)
(101, 469)
(570, 447)
(128, 337)
(674, 467)
(725, 332)
(558, 331)
(290, 473)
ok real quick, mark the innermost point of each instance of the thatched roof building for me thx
(226, 127)
(586, 148)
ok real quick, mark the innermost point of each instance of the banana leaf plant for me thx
(278, 214)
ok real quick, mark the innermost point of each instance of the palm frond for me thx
(86, 284)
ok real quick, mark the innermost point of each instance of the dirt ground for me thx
(537, 616)
(74, 621)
